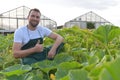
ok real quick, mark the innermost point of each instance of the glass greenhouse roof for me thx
(82, 20)
(90, 16)
(17, 17)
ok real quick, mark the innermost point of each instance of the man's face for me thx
(34, 18)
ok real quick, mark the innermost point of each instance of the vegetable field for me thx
(86, 55)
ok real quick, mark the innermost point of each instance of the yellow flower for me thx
(52, 76)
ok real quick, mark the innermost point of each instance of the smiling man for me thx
(28, 40)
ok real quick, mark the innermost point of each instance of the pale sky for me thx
(62, 11)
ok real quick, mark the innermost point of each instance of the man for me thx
(28, 40)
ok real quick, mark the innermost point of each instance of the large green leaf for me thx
(106, 33)
(27, 76)
(93, 60)
(48, 65)
(105, 75)
(63, 57)
(78, 74)
(114, 33)
(16, 70)
(65, 78)
(16, 77)
(111, 70)
(95, 72)
(63, 68)
(45, 65)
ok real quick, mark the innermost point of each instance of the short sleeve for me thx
(18, 36)
(45, 31)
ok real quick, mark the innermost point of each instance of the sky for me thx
(62, 11)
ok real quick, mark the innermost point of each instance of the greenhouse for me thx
(17, 17)
(87, 20)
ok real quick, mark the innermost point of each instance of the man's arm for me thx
(58, 40)
(18, 53)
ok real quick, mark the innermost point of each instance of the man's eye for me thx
(37, 17)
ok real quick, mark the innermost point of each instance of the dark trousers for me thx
(36, 57)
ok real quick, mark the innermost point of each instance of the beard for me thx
(33, 24)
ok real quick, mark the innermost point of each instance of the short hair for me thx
(34, 9)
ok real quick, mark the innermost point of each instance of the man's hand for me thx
(51, 54)
(38, 47)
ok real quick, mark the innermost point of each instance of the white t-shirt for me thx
(23, 34)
